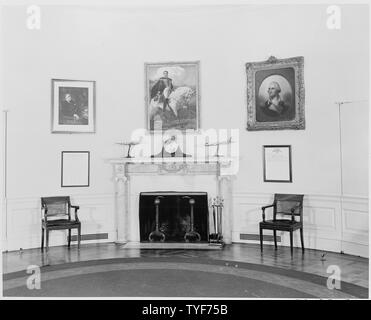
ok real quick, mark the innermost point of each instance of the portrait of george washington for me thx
(275, 95)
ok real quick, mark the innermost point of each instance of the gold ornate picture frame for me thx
(275, 94)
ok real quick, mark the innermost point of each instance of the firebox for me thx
(173, 216)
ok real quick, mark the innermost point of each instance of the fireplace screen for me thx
(173, 216)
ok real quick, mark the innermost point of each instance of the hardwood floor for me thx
(353, 269)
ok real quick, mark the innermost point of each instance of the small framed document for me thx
(75, 169)
(277, 163)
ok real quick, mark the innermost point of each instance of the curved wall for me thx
(110, 45)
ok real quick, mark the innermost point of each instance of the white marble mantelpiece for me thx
(135, 175)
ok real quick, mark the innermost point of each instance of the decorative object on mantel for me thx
(217, 205)
(171, 145)
(171, 148)
(217, 144)
(191, 235)
(157, 235)
(172, 96)
(275, 94)
(73, 106)
(129, 144)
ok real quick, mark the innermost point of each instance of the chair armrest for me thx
(263, 209)
(76, 208)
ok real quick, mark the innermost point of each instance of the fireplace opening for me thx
(174, 211)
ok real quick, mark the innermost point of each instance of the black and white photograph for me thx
(179, 154)
(73, 106)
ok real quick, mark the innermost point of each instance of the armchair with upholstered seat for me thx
(286, 205)
(56, 215)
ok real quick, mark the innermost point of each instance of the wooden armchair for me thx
(56, 215)
(287, 205)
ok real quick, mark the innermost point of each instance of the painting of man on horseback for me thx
(172, 96)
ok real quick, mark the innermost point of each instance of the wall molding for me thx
(327, 196)
(322, 221)
(327, 219)
(24, 221)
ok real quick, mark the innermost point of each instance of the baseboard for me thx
(91, 236)
(256, 237)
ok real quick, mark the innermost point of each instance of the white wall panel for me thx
(324, 225)
(24, 221)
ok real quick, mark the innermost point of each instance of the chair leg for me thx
(302, 239)
(291, 242)
(42, 239)
(47, 239)
(261, 239)
(78, 237)
(69, 238)
(275, 239)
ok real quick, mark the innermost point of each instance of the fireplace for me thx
(131, 177)
(175, 220)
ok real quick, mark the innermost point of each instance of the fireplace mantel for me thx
(156, 171)
(217, 165)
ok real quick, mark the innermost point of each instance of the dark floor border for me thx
(346, 287)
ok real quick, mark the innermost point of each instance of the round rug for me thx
(175, 277)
